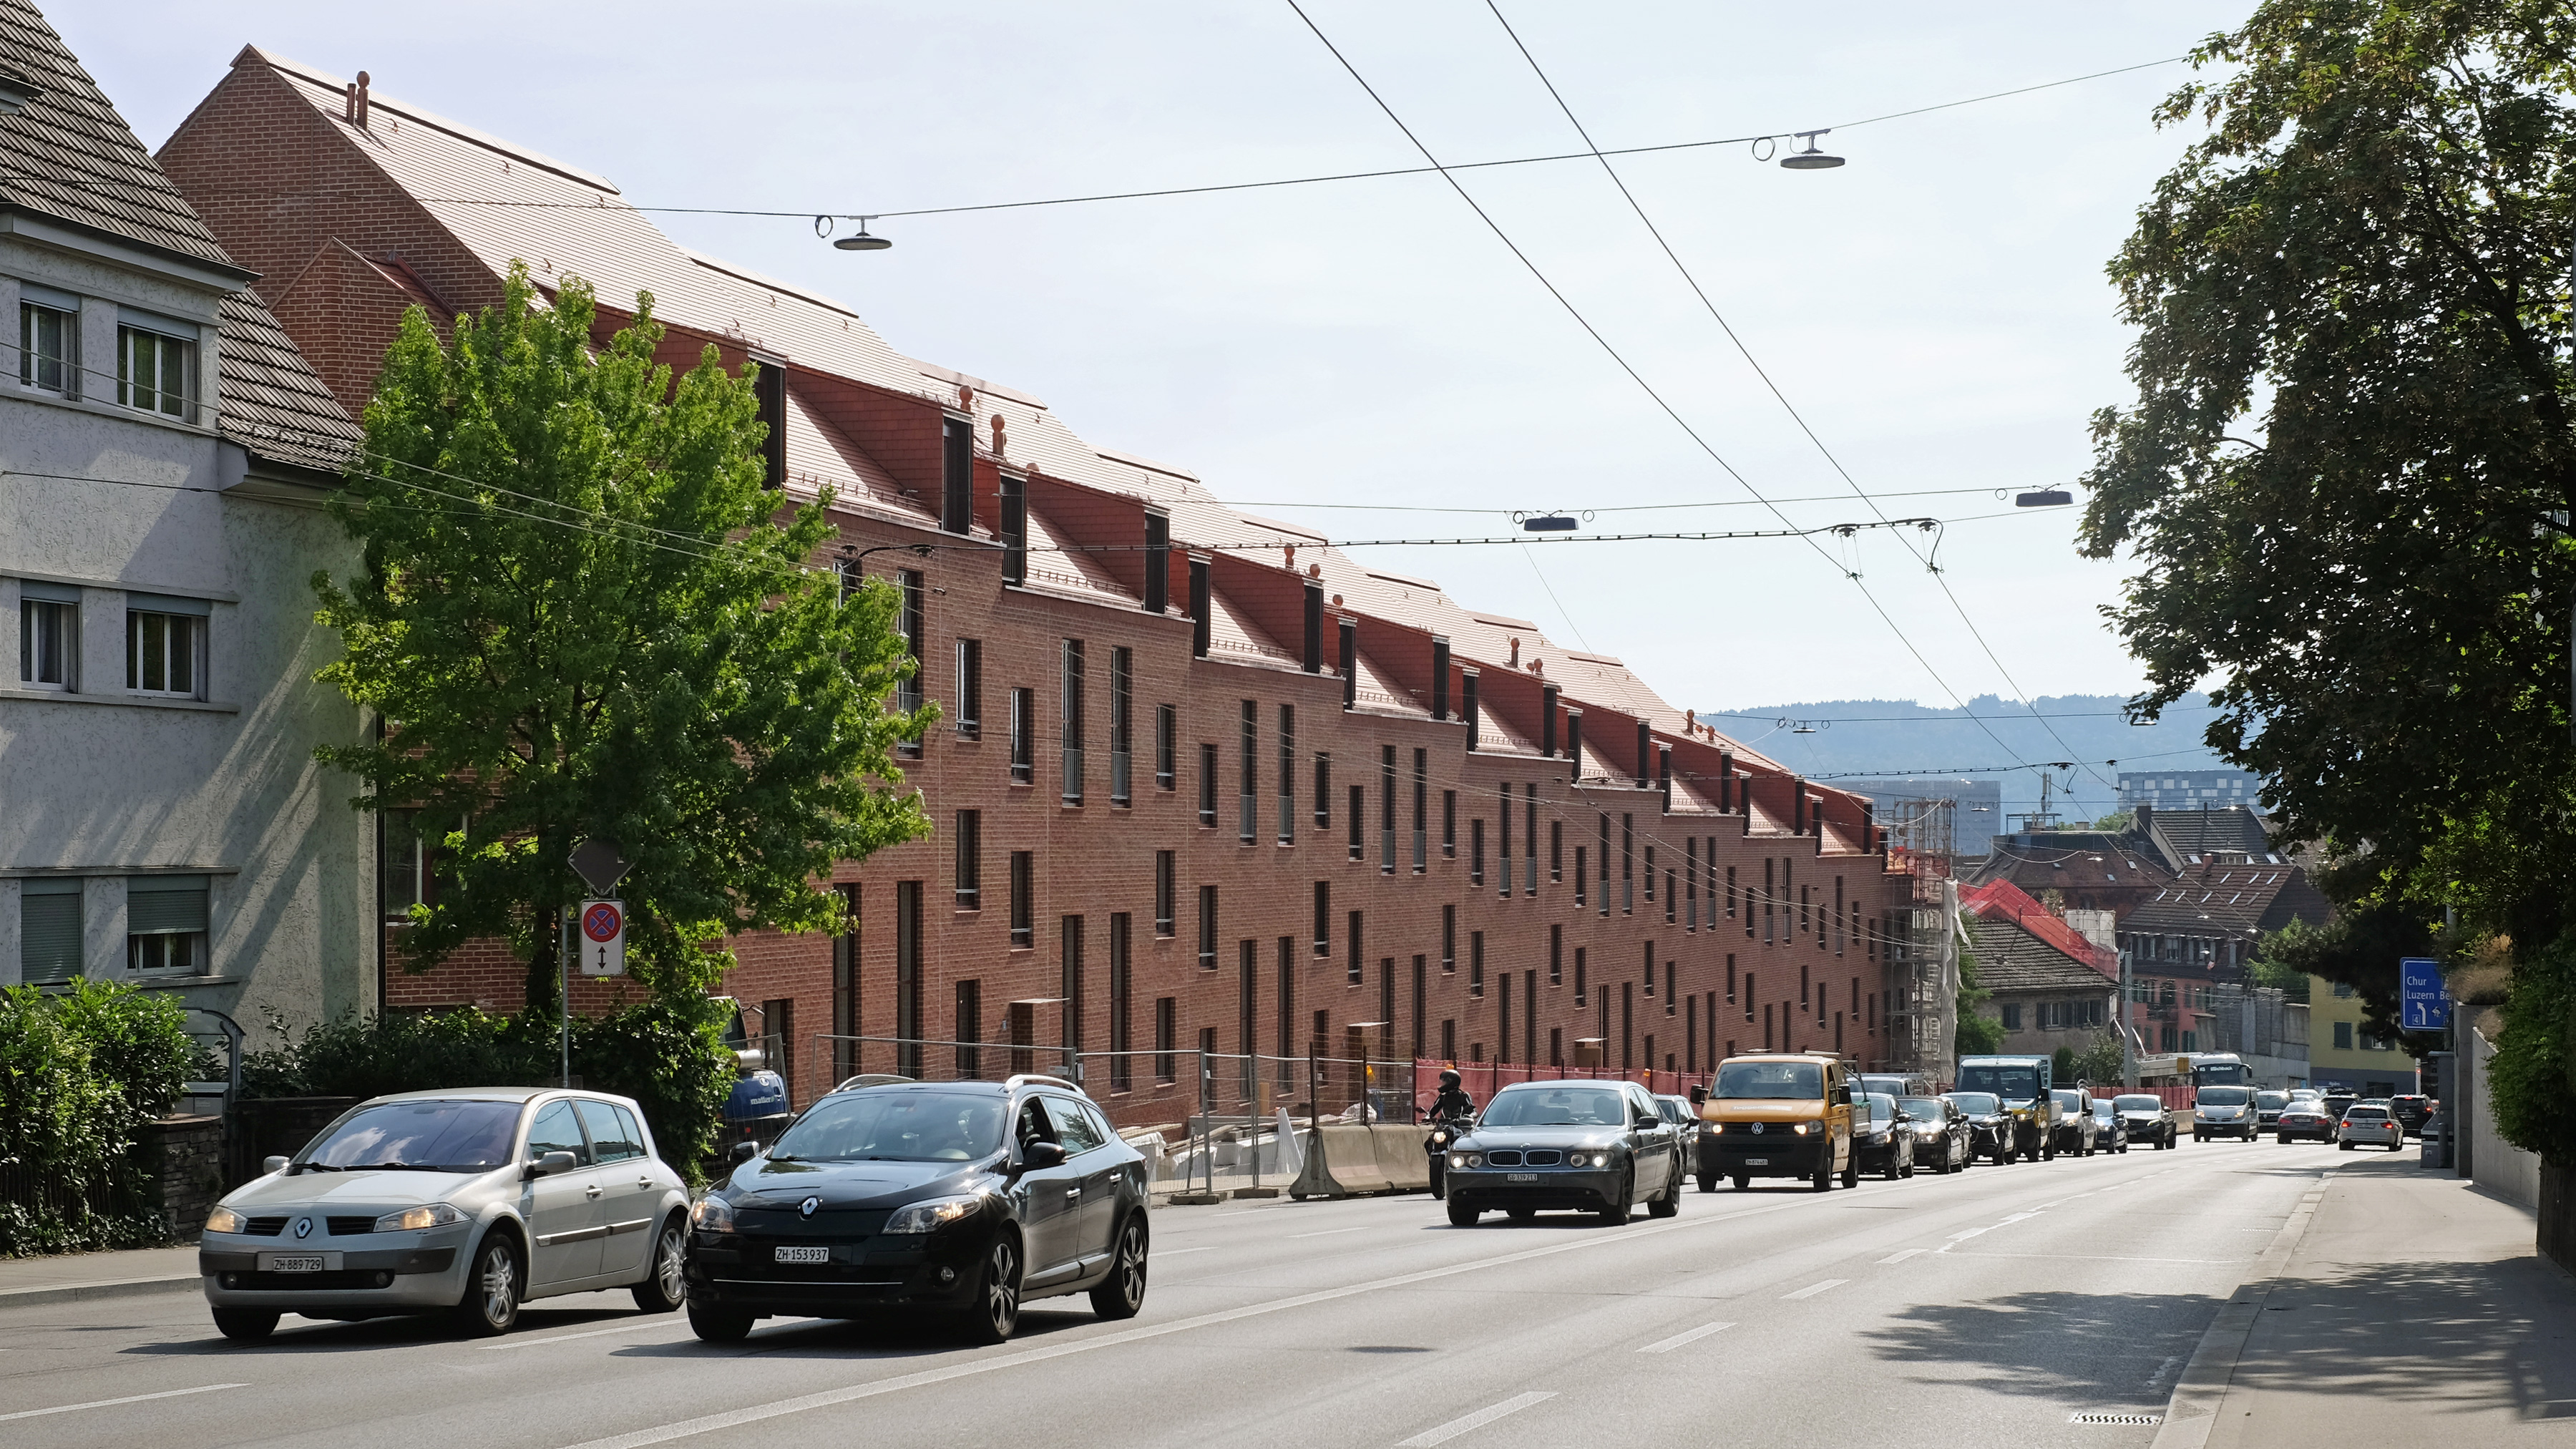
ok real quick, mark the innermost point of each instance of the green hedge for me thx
(667, 1055)
(81, 1072)
(2533, 1076)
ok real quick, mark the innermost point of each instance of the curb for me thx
(2191, 1413)
(84, 1292)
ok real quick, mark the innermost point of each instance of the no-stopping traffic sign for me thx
(603, 938)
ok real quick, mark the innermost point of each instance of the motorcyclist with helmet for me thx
(1448, 1114)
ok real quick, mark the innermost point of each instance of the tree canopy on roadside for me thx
(582, 613)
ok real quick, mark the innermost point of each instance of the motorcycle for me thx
(1435, 1145)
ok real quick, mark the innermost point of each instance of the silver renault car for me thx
(467, 1203)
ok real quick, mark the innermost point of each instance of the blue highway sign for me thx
(2423, 1002)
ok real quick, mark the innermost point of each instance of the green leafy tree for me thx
(2099, 1063)
(1976, 1034)
(2282, 959)
(2062, 1067)
(585, 615)
(2344, 474)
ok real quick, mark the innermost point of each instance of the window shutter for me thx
(165, 905)
(49, 930)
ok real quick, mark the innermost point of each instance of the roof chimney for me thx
(358, 101)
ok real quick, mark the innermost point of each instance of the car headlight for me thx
(1439, 1139)
(1803, 1128)
(712, 1215)
(937, 1212)
(224, 1220)
(1462, 1159)
(436, 1215)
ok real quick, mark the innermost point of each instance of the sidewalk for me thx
(2412, 1312)
(72, 1277)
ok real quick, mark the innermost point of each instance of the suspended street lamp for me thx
(1808, 157)
(858, 241)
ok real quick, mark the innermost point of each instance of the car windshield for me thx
(1554, 1106)
(2366, 1114)
(2138, 1102)
(898, 1125)
(2103, 1110)
(1976, 1104)
(2066, 1099)
(1802, 1081)
(1926, 1109)
(2013, 1083)
(2272, 1099)
(422, 1136)
(2224, 1096)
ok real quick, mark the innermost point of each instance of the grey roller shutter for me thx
(165, 905)
(49, 930)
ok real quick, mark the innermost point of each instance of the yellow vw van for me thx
(1778, 1114)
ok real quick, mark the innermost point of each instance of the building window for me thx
(907, 690)
(48, 347)
(1247, 775)
(970, 689)
(2191, 1041)
(1351, 947)
(1167, 1012)
(1475, 848)
(1421, 805)
(2012, 1015)
(1323, 790)
(1072, 706)
(1288, 774)
(1207, 785)
(1024, 870)
(1556, 955)
(1167, 729)
(1582, 976)
(1024, 708)
(164, 653)
(165, 924)
(1122, 668)
(1166, 890)
(970, 860)
(48, 636)
(970, 1030)
(1580, 874)
(1207, 927)
(1323, 918)
(49, 929)
(1475, 963)
(2343, 1036)
(1386, 809)
(1122, 986)
(1556, 850)
(1359, 848)
(1448, 938)
(154, 371)
(1449, 829)
(402, 865)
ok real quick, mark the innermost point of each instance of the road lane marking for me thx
(1329, 1232)
(1677, 1340)
(1176, 1252)
(1476, 1420)
(569, 1337)
(1812, 1289)
(733, 1418)
(111, 1403)
(1899, 1257)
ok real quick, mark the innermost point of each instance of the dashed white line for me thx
(128, 1399)
(569, 1337)
(1812, 1289)
(1476, 1420)
(1899, 1257)
(1667, 1345)
(1176, 1252)
(1332, 1232)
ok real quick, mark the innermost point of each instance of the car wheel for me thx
(2344, 1146)
(995, 1310)
(715, 1324)
(490, 1306)
(245, 1325)
(1461, 1215)
(2285, 1139)
(1707, 1183)
(666, 1287)
(1851, 1172)
(1893, 1171)
(1616, 1215)
(1742, 1182)
(2399, 1145)
(1668, 1202)
(1122, 1293)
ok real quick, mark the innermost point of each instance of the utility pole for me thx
(2120, 1014)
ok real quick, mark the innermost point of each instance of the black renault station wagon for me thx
(953, 1199)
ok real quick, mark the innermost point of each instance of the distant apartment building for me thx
(2188, 789)
(2344, 1052)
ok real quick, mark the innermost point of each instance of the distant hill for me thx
(1857, 735)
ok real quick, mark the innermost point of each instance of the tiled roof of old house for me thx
(2034, 946)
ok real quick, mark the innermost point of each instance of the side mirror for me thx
(1042, 1154)
(743, 1152)
(553, 1163)
(1699, 1096)
(272, 1164)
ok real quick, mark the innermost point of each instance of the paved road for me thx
(1987, 1307)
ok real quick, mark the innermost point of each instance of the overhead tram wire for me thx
(1624, 365)
(601, 204)
(1758, 370)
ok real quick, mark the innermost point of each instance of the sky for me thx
(1936, 309)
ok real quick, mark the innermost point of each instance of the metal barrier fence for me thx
(1482, 1079)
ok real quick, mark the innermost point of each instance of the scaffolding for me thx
(1923, 972)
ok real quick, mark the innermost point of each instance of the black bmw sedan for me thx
(1941, 1134)
(1599, 1147)
(952, 1199)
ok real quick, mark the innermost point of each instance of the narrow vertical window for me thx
(1475, 851)
(1323, 790)
(1529, 840)
(910, 624)
(1248, 775)
(1421, 807)
(1449, 828)
(1582, 976)
(1669, 902)
(970, 1030)
(1475, 963)
(1167, 730)
(907, 977)
(1448, 938)
(1023, 899)
(1580, 874)
(1166, 890)
(48, 636)
(1072, 710)
(1288, 774)
(1556, 852)
(48, 343)
(1122, 745)
(1323, 918)
(1207, 785)
(1207, 927)
(1167, 1014)
(1358, 810)
(1386, 809)
(1556, 955)
(1691, 887)
(1122, 986)
(970, 689)
(1024, 765)
(1352, 948)
(970, 860)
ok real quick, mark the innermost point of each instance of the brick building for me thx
(1203, 781)
(2050, 986)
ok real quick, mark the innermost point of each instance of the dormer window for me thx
(155, 370)
(48, 340)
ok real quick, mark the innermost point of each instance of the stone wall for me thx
(185, 1156)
